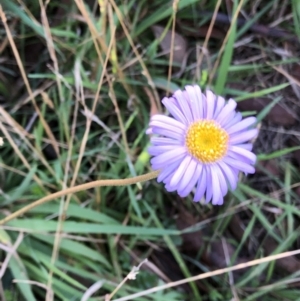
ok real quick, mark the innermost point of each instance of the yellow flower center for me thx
(206, 141)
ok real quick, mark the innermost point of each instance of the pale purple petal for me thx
(180, 172)
(210, 101)
(221, 201)
(242, 137)
(164, 141)
(167, 133)
(209, 184)
(244, 153)
(242, 125)
(171, 105)
(232, 120)
(247, 146)
(193, 181)
(183, 105)
(168, 121)
(166, 126)
(204, 103)
(222, 180)
(216, 187)
(201, 185)
(189, 174)
(242, 166)
(169, 188)
(195, 102)
(201, 102)
(157, 150)
(229, 175)
(168, 178)
(167, 158)
(149, 131)
(236, 173)
(219, 106)
(169, 170)
(227, 110)
(238, 157)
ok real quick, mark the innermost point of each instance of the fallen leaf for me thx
(192, 242)
(180, 43)
(214, 256)
(153, 106)
(268, 165)
(189, 30)
(278, 114)
(290, 264)
(236, 227)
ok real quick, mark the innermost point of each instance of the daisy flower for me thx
(203, 146)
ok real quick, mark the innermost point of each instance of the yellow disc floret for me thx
(206, 141)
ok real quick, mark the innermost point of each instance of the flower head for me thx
(204, 146)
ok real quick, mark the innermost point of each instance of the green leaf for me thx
(278, 153)
(45, 260)
(226, 58)
(162, 83)
(21, 189)
(263, 92)
(19, 272)
(159, 14)
(75, 210)
(4, 237)
(18, 11)
(75, 247)
(37, 225)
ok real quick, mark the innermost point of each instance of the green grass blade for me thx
(226, 59)
(19, 272)
(163, 12)
(37, 225)
(277, 154)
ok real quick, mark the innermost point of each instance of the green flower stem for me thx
(98, 183)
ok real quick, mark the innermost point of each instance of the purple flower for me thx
(204, 145)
